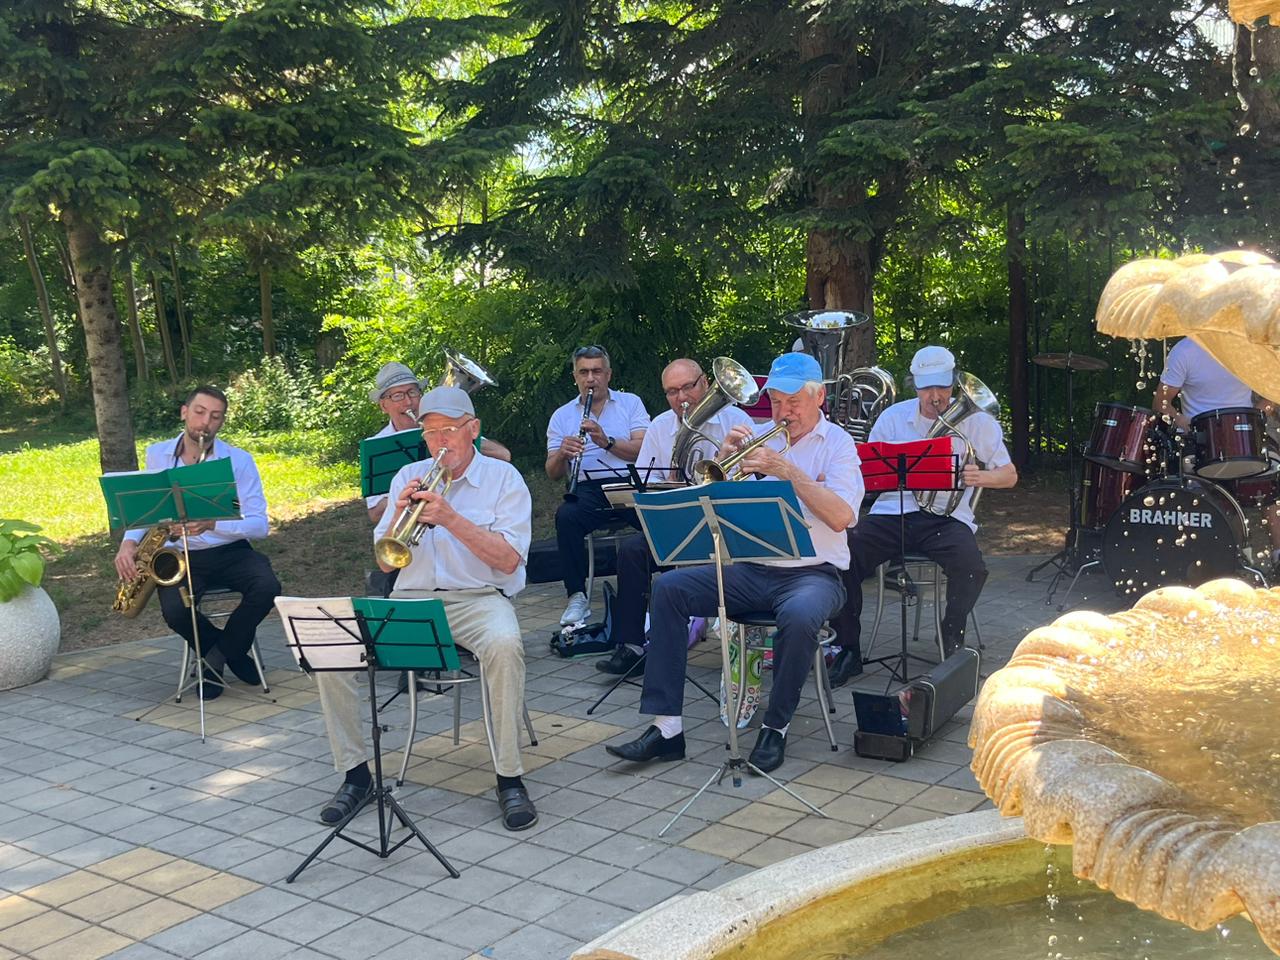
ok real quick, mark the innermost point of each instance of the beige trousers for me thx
(482, 621)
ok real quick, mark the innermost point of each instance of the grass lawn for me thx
(320, 541)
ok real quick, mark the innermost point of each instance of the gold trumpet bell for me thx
(393, 552)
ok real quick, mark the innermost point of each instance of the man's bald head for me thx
(683, 383)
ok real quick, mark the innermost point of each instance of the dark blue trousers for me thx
(236, 566)
(800, 598)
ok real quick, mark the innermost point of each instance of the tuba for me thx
(975, 397)
(711, 471)
(731, 383)
(395, 549)
(854, 398)
(463, 372)
(159, 565)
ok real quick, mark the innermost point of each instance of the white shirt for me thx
(493, 496)
(1202, 382)
(903, 422)
(252, 525)
(623, 414)
(825, 451)
(660, 438)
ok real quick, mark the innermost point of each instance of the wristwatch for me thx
(609, 444)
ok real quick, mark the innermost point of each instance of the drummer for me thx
(1199, 383)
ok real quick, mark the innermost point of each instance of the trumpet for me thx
(576, 469)
(711, 471)
(395, 549)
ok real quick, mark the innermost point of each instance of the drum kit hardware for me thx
(1155, 507)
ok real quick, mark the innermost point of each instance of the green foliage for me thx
(272, 396)
(21, 562)
(24, 379)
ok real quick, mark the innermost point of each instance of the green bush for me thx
(271, 396)
(24, 377)
(21, 562)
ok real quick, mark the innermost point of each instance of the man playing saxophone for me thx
(684, 385)
(220, 554)
(471, 554)
(947, 540)
(822, 465)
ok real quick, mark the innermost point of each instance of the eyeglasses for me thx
(591, 352)
(684, 388)
(400, 396)
(445, 434)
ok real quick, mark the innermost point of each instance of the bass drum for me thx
(1177, 530)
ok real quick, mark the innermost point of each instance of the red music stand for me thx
(913, 465)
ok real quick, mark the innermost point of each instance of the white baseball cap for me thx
(933, 367)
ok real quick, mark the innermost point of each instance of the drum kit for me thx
(1155, 507)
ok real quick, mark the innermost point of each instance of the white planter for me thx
(29, 635)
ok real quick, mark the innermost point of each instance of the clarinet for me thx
(576, 470)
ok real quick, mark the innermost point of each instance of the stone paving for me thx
(130, 838)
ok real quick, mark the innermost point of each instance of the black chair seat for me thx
(756, 618)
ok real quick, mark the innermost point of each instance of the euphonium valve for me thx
(712, 471)
(395, 549)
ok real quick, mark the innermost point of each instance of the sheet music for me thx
(310, 632)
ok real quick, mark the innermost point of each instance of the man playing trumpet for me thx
(822, 465)
(947, 540)
(471, 555)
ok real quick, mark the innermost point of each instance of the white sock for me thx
(781, 730)
(669, 726)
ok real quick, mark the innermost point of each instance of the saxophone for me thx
(159, 565)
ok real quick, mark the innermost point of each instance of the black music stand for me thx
(178, 495)
(726, 522)
(915, 465)
(372, 634)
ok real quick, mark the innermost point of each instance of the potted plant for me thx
(29, 627)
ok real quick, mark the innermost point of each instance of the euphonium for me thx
(158, 565)
(975, 397)
(710, 471)
(462, 372)
(731, 383)
(395, 549)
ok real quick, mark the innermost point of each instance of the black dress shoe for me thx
(348, 797)
(769, 752)
(650, 745)
(620, 664)
(213, 686)
(846, 666)
(245, 669)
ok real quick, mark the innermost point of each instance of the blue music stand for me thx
(722, 523)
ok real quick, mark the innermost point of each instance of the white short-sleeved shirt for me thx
(623, 414)
(252, 525)
(493, 496)
(660, 438)
(903, 422)
(825, 451)
(1202, 382)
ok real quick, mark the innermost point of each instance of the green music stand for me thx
(179, 495)
(370, 634)
(382, 457)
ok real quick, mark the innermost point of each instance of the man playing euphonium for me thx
(947, 540)
(684, 385)
(822, 465)
(472, 557)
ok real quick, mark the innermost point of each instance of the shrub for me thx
(21, 562)
(271, 396)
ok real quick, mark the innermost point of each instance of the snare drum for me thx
(1230, 443)
(1258, 492)
(1102, 490)
(1123, 437)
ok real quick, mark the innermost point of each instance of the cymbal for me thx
(1070, 361)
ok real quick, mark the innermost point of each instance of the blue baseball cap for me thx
(791, 371)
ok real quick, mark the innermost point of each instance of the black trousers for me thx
(947, 542)
(636, 567)
(576, 518)
(235, 566)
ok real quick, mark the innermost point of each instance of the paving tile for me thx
(587, 919)
(370, 894)
(475, 927)
(131, 864)
(724, 841)
(904, 817)
(196, 935)
(419, 912)
(888, 789)
(636, 891)
(91, 943)
(39, 931)
(857, 810)
(947, 800)
(365, 937)
(577, 875)
(251, 943)
(535, 943)
(108, 902)
(309, 922)
(681, 864)
(771, 850)
(214, 891)
(150, 918)
(171, 876)
(73, 886)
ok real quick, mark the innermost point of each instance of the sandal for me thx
(344, 803)
(518, 811)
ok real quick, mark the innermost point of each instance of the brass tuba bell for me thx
(730, 383)
(975, 397)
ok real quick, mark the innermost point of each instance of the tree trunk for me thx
(839, 271)
(264, 300)
(91, 261)
(1019, 402)
(162, 324)
(183, 329)
(140, 369)
(46, 315)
